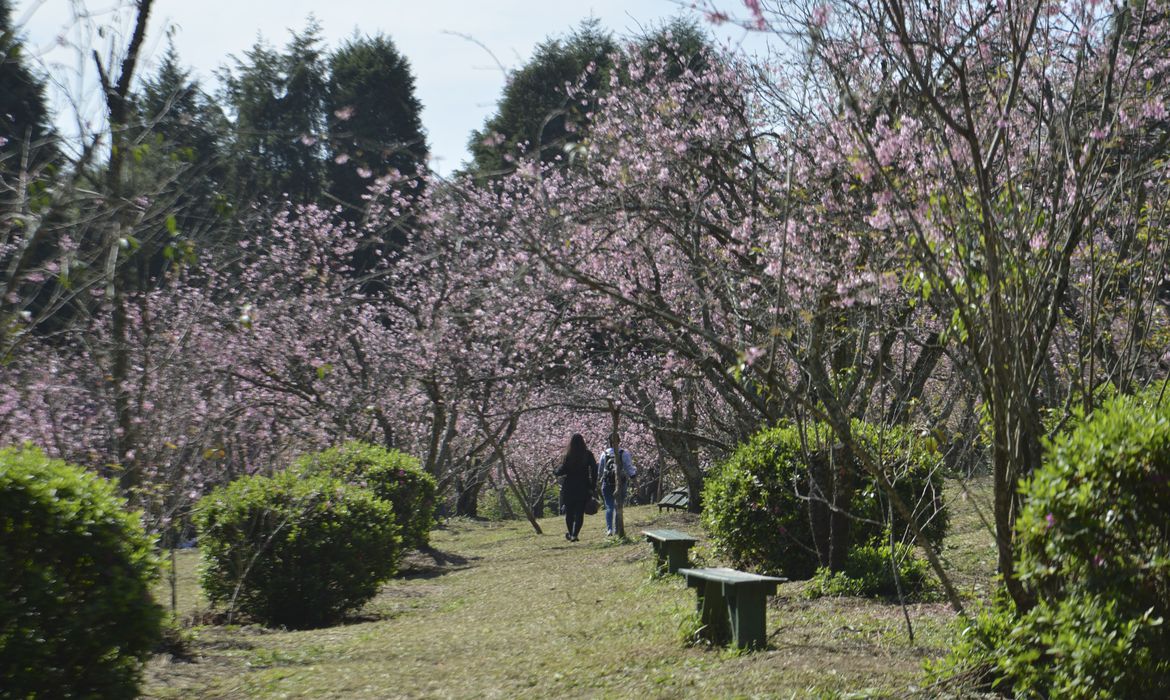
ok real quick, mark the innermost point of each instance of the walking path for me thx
(496, 611)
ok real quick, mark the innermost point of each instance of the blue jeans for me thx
(610, 507)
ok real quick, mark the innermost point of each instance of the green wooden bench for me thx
(678, 499)
(670, 549)
(732, 604)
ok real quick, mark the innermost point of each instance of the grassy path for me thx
(496, 611)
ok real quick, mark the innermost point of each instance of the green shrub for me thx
(868, 573)
(753, 505)
(1085, 646)
(1093, 547)
(295, 550)
(1077, 647)
(490, 507)
(392, 475)
(76, 615)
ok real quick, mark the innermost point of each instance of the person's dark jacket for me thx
(580, 472)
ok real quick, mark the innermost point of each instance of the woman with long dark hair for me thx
(579, 467)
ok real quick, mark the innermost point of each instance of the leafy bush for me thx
(1094, 549)
(490, 507)
(1078, 647)
(755, 512)
(868, 573)
(392, 475)
(295, 550)
(76, 615)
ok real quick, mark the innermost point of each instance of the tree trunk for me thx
(844, 471)
(684, 453)
(820, 489)
(619, 496)
(117, 94)
(833, 477)
(932, 350)
(438, 423)
(1016, 452)
(520, 496)
(467, 492)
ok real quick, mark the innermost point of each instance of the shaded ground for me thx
(496, 611)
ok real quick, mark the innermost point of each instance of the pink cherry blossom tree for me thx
(668, 225)
(1007, 156)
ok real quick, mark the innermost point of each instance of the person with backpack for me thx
(609, 466)
(579, 468)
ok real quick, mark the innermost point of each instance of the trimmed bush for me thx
(295, 550)
(76, 616)
(392, 475)
(1094, 548)
(868, 573)
(753, 505)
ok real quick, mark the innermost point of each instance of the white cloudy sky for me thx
(458, 79)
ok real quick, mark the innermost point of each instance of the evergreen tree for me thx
(174, 108)
(683, 42)
(180, 134)
(535, 113)
(278, 101)
(29, 159)
(373, 117)
(26, 131)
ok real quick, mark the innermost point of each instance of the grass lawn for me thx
(497, 611)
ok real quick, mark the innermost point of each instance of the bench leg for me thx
(748, 615)
(713, 613)
(676, 557)
(659, 557)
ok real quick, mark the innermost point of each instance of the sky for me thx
(459, 50)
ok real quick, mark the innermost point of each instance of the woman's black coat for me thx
(580, 472)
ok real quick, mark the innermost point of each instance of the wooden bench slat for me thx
(669, 536)
(678, 498)
(726, 575)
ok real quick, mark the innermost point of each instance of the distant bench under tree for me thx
(678, 499)
(732, 605)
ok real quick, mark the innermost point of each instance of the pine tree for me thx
(535, 112)
(179, 134)
(26, 131)
(278, 102)
(373, 117)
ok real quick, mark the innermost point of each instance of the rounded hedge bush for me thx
(1094, 536)
(753, 508)
(294, 550)
(1093, 548)
(392, 475)
(76, 614)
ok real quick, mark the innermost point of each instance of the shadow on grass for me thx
(428, 563)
